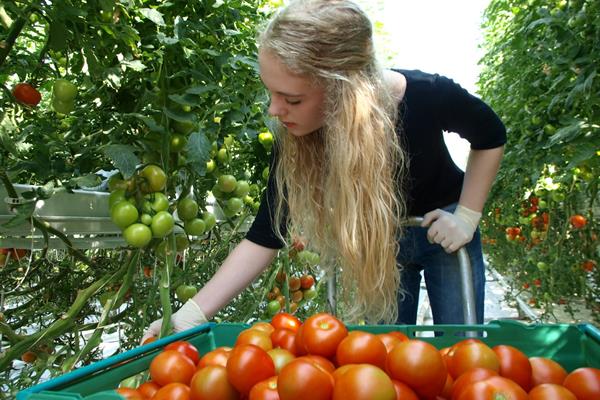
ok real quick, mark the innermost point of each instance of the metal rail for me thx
(465, 271)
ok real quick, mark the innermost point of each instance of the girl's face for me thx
(295, 100)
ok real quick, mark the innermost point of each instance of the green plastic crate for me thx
(572, 346)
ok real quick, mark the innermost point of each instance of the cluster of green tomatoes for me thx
(142, 210)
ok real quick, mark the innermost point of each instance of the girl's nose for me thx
(276, 108)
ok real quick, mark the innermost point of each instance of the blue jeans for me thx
(442, 278)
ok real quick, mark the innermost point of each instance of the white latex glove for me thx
(451, 231)
(187, 317)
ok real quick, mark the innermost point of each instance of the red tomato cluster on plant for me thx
(285, 359)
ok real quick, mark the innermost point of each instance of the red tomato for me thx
(265, 390)
(247, 365)
(364, 381)
(419, 365)
(148, 389)
(263, 326)
(185, 348)
(551, 391)
(578, 221)
(280, 358)
(285, 321)
(303, 379)
(403, 391)
(211, 383)
(218, 356)
(26, 94)
(149, 340)
(284, 338)
(322, 361)
(545, 370)
(447, 390)
(307, 281)
(471, 376)
(322, 333)
(496, 387)
(514, 365)
(256, 337)
(173, 391)
(584, 383)
(470, 355)
(361, 347)
(389, 341)
(129, 393)
(299, 342)
(171, 366)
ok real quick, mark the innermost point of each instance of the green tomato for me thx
(558, 196)
(209, 220)
(156, 202)
(222, 155)
(234, 205)
(226, 183)
(187, 209)
(181, 242)
(178, 142)
(228, 141)
(116, 197)
(241, 189)
(542, 266)
(146, 219)
(310, 294)
(273, 307)
(218, 193)
(62, 107)
(265, 173)
(123, 214)
(154, 178)
(248, 200)
(194, 227)
(210, 165)
(185, 292)
(266, 139)
(184, 127)
(64, 90)
(137, 235)
(162, 224)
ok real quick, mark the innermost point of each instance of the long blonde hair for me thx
(340, 184)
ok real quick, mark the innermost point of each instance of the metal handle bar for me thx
(464, 262)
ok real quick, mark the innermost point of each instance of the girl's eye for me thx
(293, 102)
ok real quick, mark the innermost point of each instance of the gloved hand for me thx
(451, 231)
(188, 316)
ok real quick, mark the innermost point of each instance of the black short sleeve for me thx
(262, 231)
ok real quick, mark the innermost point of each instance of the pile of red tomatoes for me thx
(321, 359)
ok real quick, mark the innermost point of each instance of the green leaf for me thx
(23, 215)
(58, 36)
(135, 65)
(198, 149)
(150, 122)
(201, 89)
(153, 16)
(166, 40)
(86, 181)
(179, 115)
(123, 158)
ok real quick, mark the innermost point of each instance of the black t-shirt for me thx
(431, 104)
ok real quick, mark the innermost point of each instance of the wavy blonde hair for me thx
(339, 186)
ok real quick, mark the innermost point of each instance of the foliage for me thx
(124, 84)
(541, 75)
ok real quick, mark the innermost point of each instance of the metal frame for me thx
(465, 270)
